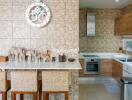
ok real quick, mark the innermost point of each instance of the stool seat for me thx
(55, 82)
(24, 82)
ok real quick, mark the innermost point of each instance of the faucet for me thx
(126, 55)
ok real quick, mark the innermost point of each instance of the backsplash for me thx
(61, 33)
(104, 41)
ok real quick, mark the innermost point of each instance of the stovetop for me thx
(90, 56)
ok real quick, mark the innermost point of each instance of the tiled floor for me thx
(98, 89)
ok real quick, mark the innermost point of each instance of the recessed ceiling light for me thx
(117, 0)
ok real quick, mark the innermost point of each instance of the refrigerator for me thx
(126, 88)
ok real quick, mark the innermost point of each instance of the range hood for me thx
(91, 24)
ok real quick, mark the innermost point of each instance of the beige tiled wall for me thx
(61, 33)
(104, 41)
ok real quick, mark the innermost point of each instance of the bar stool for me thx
(24, 82)
(4, 85)
(55, 82)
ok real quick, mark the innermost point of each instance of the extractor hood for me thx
(91, 24)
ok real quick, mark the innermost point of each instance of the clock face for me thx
(38, 14)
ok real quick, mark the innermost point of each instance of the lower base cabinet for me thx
(108, 67)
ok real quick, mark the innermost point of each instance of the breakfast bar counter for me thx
(53, 71)
(40, 65)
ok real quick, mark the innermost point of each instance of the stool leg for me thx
(40, 95)
(66, 96)
(45, 96)
(35, 96)
(13, 96)
(4, 95)
(21, 97)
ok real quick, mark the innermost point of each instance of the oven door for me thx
(91, 68)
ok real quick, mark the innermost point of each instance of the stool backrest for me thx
(2, 81)
(55, 81)
(24, 81)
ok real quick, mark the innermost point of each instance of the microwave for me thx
(127, 44)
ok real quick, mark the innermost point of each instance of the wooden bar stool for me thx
(55, 82)
(4, 85)
(24, 82)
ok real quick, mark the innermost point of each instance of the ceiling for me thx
(104, 3)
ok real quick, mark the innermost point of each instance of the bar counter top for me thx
(40, 65)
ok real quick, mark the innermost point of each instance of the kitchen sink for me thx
(124, 60)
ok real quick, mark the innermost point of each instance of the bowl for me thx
(71, 59)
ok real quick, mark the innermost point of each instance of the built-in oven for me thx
(92, 65)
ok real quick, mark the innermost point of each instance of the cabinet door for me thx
(123, 25)
(129, 24)
(117, 26)
(117, 70)
(114, 69)
(106, 67)
(120, 26)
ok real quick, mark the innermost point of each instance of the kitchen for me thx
(65, 49)
(105, 49)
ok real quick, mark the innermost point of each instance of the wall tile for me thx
(21, 2)
(24, 43)
(52, 1)
(5, 12)
(58, 15)
(57, 28)
(72, 5)
(19, 12)
(73, 26)
(5, 2)
(38, 32)
(6, 29)
(21, 29)
(5, 45)
(39, 44)
(77, 1)
(56, 5)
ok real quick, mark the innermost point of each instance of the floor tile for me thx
(99, 89)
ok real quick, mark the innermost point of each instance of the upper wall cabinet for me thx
(123, 25)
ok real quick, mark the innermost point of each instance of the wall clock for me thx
(38, 14)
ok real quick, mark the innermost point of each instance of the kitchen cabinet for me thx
(117, 70)
(81, 71)
(106, 67)
(129, 24)
(123, 25)
(120, 26)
